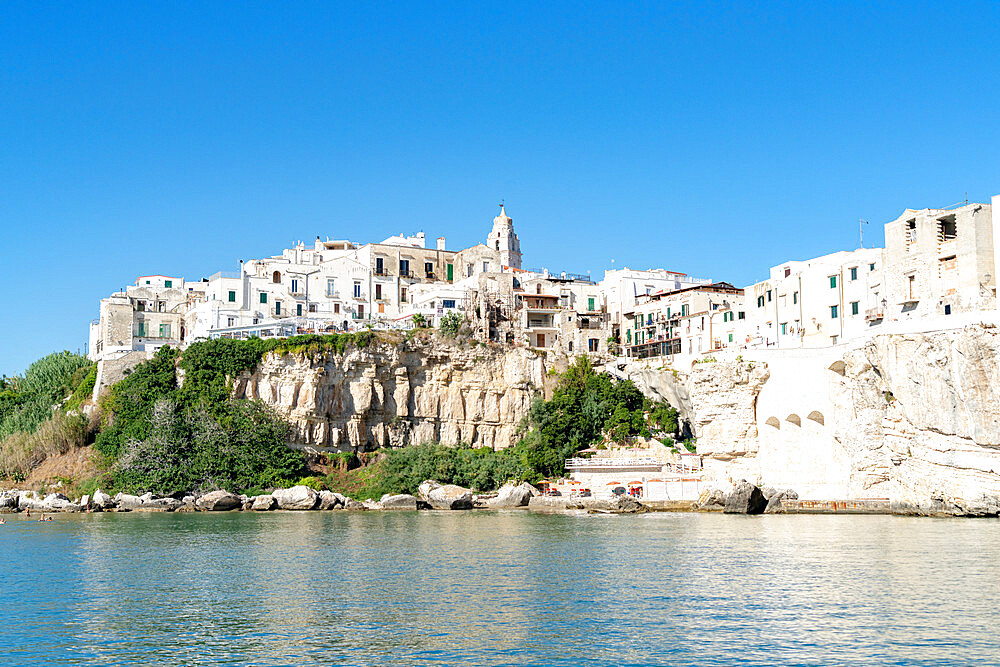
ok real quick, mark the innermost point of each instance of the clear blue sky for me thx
(716, 139)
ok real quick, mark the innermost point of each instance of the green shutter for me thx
(263, 297)
(232, 296)
(590, 304)
(298, 309)
(833, 281)
(451, 272)
(168, 283)
(833, 312)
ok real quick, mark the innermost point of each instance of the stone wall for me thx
(396, 394)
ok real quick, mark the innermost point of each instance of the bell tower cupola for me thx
(504, 240)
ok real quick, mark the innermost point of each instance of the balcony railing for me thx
(332, 294)
(872, 314)
(360, 297)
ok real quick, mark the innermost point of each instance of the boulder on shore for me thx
(513, 495)
(262, 503)
(746, 498)
(774, 504)
(329, 500)
(400, 501)
(101, 500)
(126, 502)
(218, 501)
(296, 498)
(162, 505)
(711, 499)
(57, 502)
(445, 496)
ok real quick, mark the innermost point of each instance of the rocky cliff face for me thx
(919, 418)
(396, 394)
(914, 418)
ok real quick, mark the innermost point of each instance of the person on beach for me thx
(2, 521)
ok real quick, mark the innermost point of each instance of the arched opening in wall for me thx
(817, 417)
(794, 419)
(838, 367)
(276, 277)
(773, 421)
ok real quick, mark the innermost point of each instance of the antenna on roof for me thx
(861, 232)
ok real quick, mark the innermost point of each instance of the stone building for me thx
(938, 262)
(144, 317)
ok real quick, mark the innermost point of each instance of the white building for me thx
(623, 288)
(815, 302)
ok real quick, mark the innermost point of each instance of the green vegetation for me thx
(33, 419)
(419, 321)
(27, 401)
(451, 323)
(166, 439)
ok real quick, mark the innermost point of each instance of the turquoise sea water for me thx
(514, 588)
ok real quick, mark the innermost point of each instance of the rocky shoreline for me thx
(744, 498)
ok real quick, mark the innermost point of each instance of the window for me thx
(263, 297)
(276, 277)
(142, 329)
(947, 309)
(165, 330)
(911, 233)
(590, 304)
(684, 310)
(429, 269)
(312, 307)
(450, 271)
(336, 307)
(742, 315)
(168, 283)
(298, 310)
(784, 328)
(871, 267)
(402, 295)
(855, 306)
(833, 282)
(769, 296)
(357, 289)
(592, 344)
(486, 267)
(381, 308)
(854, 273)
(230, 321)
(361, 310)
(911, 287)
(947, 230)
(232, 296)
(379, 266)
(404, 267)
(448, 303)
(760, 302)
(788, 272)
(378, 291)
(147, 282)
(331, 287)
(571, 346)
(295, 285)
(730, 338)
(795, 297)
(277, 308)
(833, 312)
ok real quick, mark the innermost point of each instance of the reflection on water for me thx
(481, 588)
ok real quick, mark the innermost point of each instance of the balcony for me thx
(359, 296)
(358, 316)
(332, 294)
(873, 314)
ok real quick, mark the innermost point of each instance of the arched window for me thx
(276, 278)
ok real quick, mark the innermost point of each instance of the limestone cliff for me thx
(399, 393)
(910, 417)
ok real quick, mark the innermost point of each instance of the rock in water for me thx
(450, 497)
(296, 498)
(126, 502)
(513, 495)
(628, 505)
(162, 505)
(745, 499)
(774, 504)
(218, 501)
(101, 500)
(329, 500)
(401, 501)
(262, 503)
(711, 499)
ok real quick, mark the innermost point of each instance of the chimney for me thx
(440, 243)
(420, 237)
